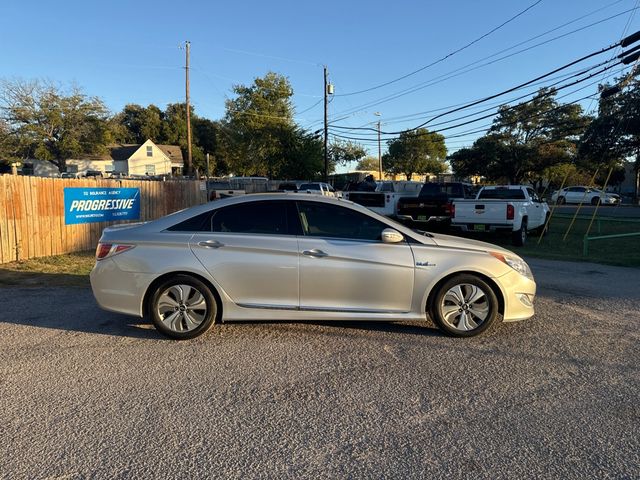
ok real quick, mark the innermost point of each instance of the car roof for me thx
(173, 218)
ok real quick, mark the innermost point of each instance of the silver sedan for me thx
(298, 257)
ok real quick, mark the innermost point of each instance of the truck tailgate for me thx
(481, 212)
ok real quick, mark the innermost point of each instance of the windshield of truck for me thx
(441, 189)
(502, 194)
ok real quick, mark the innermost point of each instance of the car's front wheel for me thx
(464, 306)
(183, 307)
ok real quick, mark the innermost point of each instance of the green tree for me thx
(614, 135)
(419, 151)
(368, 164)
(343, 152)
(141, 123)
(256, 119)
(48, 123)
(524, 140)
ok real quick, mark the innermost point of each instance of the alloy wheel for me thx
(182, 308)
(465, 307)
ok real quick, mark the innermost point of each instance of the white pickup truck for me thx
(514, 208)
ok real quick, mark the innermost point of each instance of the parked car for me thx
(318, 188)
(434, 203)
(513, 208)
(288, 187)
(384, 198)
(291, 256)
(118, 175)
(93, 174)
(68, 175)
(587, 195)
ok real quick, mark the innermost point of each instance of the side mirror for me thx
(389, 235)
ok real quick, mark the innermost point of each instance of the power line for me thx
(465, 69)
(552, 85)
(446, 56)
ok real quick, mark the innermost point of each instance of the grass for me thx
(70, 270)
(616, 251)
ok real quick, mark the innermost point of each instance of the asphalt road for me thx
(90, 394)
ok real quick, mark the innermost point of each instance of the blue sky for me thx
(127, 52)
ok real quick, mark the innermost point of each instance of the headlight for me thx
(516, 263)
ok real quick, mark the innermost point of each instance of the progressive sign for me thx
(87, 205)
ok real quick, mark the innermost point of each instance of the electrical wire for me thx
(474, 65)
(446, 56)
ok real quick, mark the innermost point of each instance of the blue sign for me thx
(87, 205)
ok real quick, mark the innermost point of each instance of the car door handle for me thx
(315, 253)
(211, 244)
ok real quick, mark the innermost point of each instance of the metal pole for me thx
(326, 129)
(189, 168)
(208, 171)
(379, 154)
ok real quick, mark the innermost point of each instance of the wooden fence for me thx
(32, 212)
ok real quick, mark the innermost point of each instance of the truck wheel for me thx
(541, 230)
(519, 237)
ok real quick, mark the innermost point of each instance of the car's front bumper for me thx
(519, 293)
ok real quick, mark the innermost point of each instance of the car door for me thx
(251, 252)
(536, 212)
(576, 194)
(344, 266)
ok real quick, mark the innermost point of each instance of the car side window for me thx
(326, 220)
(197, 223)
(267, 218)
(533, 195)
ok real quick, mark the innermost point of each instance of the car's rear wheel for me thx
(183, 307)
(464, 306)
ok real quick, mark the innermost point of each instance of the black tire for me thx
(207, 314)
(519, 237)
(446, 314)
(541, 230)
(561, 201)
(595, 201)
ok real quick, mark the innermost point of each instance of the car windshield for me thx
(502, 194)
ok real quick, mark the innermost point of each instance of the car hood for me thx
(450, 241)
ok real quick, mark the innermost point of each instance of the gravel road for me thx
(90, 394)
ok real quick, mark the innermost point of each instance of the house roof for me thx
(174, 152)
(123, 151)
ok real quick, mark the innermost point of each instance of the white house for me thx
(132, 160)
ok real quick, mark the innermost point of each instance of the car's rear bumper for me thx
(119, 291)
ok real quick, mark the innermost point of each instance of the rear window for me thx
(441, 189)
(502, 194)
(310, 186)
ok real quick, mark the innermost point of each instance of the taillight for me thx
(510, 212)
(450, 208)
(104, 250)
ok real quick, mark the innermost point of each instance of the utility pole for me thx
(189, 169)
(377, 114)
(379, 154)
(208, 165)
(326, 127)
